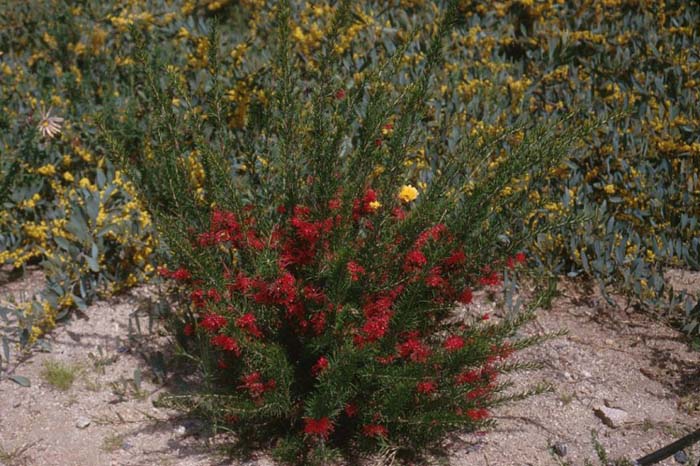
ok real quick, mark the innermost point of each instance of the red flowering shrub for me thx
(321, 275)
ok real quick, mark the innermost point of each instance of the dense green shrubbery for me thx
(318, 284)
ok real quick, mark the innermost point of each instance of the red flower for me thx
(490, 279)
(376, 327)
(314, 294)
(413, 349)
(320, 366)
(466, 296)
(283, 290)
(361, 207)
(386, 360)
(374, 430)
(181, 274)
(197, 297)
(242, 284)
(456, 258)
(226, 343)
(318, 322)
(454, 343)
(477, 414)
(253, 383)
(253, 241)
(414, 260)
(398, 213)
(435, 279)
(355, 270)
(213, 295)
(188, 330)
(213, 322)
(469, 377)
(432, 233)
(340, 94)
(318, 427)
(249, 323)
(478, 393)
(426, 387)
(517, 259)
(351, 410)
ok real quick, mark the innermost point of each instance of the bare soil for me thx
(611, 356)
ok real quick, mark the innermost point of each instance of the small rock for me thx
(586, 374)
(82, 422)
(180, 430)
(127, 446)
(611, 417)
(680, 457)
(560, 449)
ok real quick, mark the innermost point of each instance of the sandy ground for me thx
(107, 417)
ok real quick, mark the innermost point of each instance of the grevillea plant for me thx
(318, 272)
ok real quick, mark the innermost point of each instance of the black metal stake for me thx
(668, 450)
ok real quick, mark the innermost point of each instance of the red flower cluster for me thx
(355, 270)
(248, 323)
(181, 274)
(413, 349)
(477, 414)
(374, 430)
(318, 427)
(414, 261)
(255, 386)
(426, 387)
(454, 343)
(517, 259)
(363, 207)
(377, 312)
(320, 366)
(351, 410)
(226, 343)
(213, 322)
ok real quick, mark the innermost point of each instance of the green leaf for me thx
(6, 347)
(137, 378)
(78, 226)
(23, 381)
(62, 243)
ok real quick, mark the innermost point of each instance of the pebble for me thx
(680, 457)
(180, 430)
(82, 422)
(560, 449)
(611, 417)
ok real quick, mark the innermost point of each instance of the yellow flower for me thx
(68, 176)
(408, 193)
(610, 189)
(374, 205)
